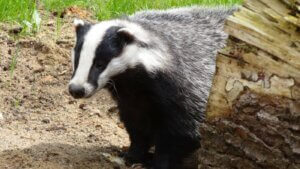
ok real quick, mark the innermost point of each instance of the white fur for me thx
(87, 55)
(89, 89)
(78, 22)
(132, 55)
(73, 59)
(128, 31)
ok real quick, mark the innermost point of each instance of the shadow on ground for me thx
(56, 155)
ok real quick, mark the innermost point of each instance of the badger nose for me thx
(76, 91)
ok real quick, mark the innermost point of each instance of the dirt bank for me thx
(41, 126)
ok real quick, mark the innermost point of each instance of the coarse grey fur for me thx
(192, 35)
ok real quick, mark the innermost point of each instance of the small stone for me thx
(121, 125)
(42, 47)
(48, 80)
(50, 23)
(31, 79)
(38, 69)
(26, 43)
(59, 14)
(91, 135)
(16, 30)
(1, 116)
(56, 128)
(95, 114)
(98, 126)
(92, 138)
(98, 114)
(34, 53)
(10, 42)
(61, 42)
(46, 121)
(9, 51)
(113, 109)
(5, 68)
(71, 102)
(83, 106)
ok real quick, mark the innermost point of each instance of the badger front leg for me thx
(141, 138)
(139, 147)
(176, 152)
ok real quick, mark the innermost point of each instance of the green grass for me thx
(13, 63)
(20, 10)
(16, 10)
(106, 9)
(115, 8)
(60, 5)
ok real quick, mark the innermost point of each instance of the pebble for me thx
(5, 68)
(46, 121)
(26, 43)
(59, 42)
(10, 42)
(48, 80)
(83, 106)
(50, 23)
(113, 109)
(121, 125)
(71, 102)
(16, 30)
(1, 116)
(38, 69)
(31, 79)
(42, 47)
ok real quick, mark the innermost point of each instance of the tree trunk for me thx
(254, 107)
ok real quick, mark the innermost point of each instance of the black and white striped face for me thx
(105, 50)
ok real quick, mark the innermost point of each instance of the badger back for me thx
(193, 36)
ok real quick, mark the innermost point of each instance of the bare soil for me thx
(41, 125)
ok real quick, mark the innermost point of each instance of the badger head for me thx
(107, 49)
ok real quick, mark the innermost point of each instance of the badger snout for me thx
(76, 91)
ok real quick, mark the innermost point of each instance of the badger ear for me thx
(126, 34)
(78, 25)
(78, 22)
(81, 27)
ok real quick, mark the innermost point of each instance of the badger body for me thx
(158, 66)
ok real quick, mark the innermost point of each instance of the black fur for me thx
(110, 47)
(81, 30)
(165, 106)
(151, 109)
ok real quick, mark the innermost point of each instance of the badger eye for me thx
(99, 65)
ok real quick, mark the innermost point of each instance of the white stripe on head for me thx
(73, 59)
(87, 54)
(131, 56)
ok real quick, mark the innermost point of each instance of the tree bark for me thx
(253, 113)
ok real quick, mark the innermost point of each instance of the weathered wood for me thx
(254, 105)
(263, 54)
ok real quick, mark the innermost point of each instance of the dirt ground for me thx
(41, 125)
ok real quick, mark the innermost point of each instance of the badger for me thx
(158, 65)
